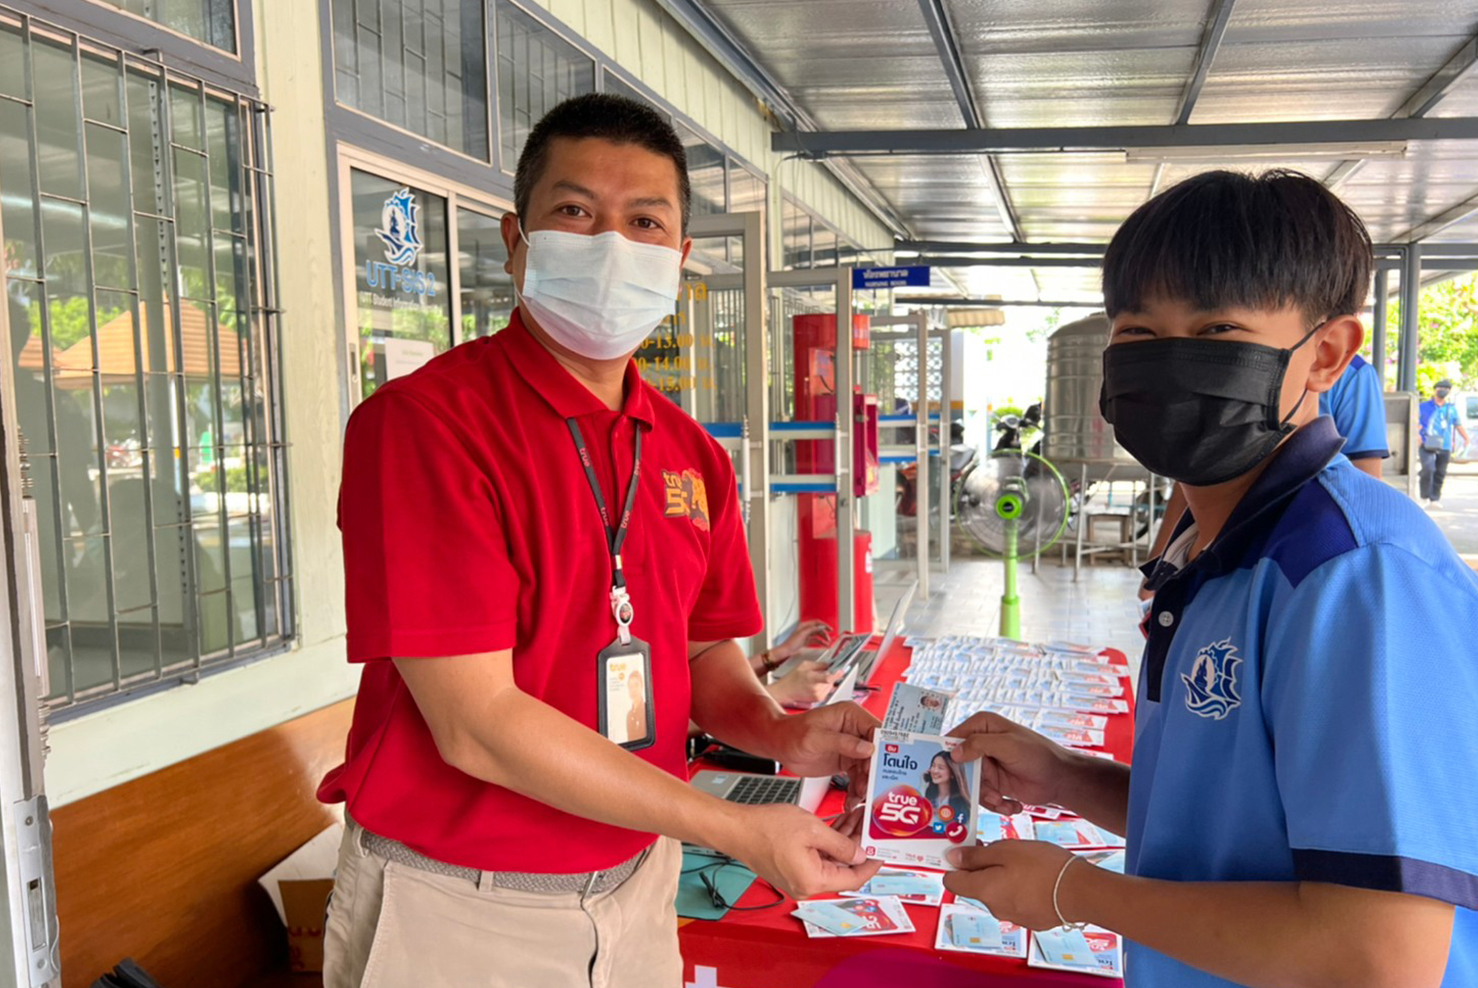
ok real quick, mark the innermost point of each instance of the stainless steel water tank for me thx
(1075, 432)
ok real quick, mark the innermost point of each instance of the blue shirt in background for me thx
(1306, 706)
(1438, 420)
(1358, 407)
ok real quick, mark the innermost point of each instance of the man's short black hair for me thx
(613, 118)
(1224, 239)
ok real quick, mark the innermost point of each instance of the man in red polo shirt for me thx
(546, 572)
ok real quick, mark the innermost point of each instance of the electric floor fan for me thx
(1014, 505)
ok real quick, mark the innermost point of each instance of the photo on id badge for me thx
(626, 694)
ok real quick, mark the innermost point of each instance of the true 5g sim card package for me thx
(920, 801)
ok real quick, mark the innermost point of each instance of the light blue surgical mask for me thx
(599, 296)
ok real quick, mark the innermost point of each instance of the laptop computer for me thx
(852, 649)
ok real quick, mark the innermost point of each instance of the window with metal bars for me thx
(136, 218)
(420, 65)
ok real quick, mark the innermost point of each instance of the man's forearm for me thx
(529, 747)
(730, 703)
(1098, 790)
(1269, 934)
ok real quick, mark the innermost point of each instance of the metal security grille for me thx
(138, 241)
(418, 64)
(906, 370)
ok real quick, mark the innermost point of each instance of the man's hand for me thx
(827, 740)
(797, 853)
(1017, 765)
(1014, 879)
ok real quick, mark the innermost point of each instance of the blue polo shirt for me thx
(1307, 703)
(1358, 407)
(1438, 420)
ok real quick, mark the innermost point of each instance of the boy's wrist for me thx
(1090, 894)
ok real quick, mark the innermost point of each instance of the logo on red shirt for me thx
(687, 497)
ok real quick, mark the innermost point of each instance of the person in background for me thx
(808, 682)
(1439, 420)
(1300, 809)
(525, 520)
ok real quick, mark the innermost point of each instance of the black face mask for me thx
(1198, 411)
(1442, 392)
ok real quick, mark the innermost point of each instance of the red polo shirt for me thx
(469, 527)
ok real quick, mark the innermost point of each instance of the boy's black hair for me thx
(1223, 239)
(613, 118)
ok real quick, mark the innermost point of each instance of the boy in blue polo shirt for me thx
(1303, 807)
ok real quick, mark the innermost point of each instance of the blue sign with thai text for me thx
(869, 278)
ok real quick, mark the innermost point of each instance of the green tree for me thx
(1448, 335)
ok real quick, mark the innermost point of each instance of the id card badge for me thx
(625, 684)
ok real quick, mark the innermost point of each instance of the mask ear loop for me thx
(1283, 425)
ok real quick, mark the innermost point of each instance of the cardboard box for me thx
(305, 902)
(299, 886)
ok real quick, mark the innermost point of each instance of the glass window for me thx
(139, 336)
(796, 236)
(705, 173)
(823, 246)
(486, 290)
(537, 70)
(418, 64)
(210, 21)
(401, 280)
(612, 83)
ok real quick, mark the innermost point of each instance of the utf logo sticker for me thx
(687, 497)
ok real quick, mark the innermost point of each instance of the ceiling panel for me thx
(1012, 26)
(872, 65)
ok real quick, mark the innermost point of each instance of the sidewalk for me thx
(1458, 514)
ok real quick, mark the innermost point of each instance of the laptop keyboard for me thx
(755, 790)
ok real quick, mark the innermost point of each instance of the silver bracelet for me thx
(1056, 886)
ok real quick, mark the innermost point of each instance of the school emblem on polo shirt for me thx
(687, 497)
(1211, 688)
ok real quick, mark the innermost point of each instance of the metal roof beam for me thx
(1294, 134)
(1216, 27)
(937, 20)
(991, 303)
(1440, 222)
(1423, 101)
(965, 246)
(1437, 88)
(731, 53)
(938, 261)
(1430, 251)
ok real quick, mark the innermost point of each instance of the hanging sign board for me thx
(870, 278)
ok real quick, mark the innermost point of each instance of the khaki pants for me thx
(394, 926)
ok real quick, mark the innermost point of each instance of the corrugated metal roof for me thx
(873, 65)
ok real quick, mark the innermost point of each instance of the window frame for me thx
(261, 302)
(457, 195)
(106, 24)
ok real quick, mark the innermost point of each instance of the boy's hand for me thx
(1014, 879)
(1017, 765)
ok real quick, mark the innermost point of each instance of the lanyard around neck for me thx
(617, 530)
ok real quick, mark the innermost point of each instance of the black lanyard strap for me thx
(615, 532)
